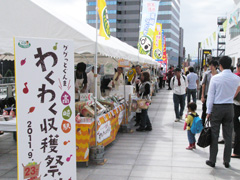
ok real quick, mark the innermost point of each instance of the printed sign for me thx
(104, 131)
(44, 71)
(123, 63)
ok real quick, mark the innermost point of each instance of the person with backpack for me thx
(193, 124)
(179, 84)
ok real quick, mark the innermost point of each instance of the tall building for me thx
(181, 49)
(169, 16)
(124, 19)
(123, 16)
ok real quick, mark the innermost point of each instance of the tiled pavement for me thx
(159, 154)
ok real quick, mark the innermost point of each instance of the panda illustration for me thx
(158, 53)
(145, 43)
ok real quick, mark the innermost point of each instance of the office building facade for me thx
(124, 19)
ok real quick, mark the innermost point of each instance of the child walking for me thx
(188, 124)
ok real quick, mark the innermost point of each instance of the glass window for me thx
(173, 49)
(113, 29)
(172, 41)
(109, 12)
(234, 31)
(108, 3)
(172, 32)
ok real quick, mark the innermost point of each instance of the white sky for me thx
(198, 18)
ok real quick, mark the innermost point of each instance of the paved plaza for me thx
(159, 154)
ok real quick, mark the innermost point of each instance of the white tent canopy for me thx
(25, 18)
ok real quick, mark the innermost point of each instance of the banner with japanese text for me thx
(164, 50)
(104, 23)
(45, 104)
(157, 52)
(148, 22)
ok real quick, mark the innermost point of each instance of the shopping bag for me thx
(204, 139)
(143, 103)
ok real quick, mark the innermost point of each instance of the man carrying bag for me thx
(221, 92)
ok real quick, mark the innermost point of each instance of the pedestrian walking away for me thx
(222, 89)
(179, 85)
(193, 85)
(160, 75)
(205, 85)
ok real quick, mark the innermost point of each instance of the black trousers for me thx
(204, 110)
(145, 122)
(160, 82)
(169, 80)
(237, 130)
(221, 114)
(138, 118)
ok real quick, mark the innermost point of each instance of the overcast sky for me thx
(198, 18)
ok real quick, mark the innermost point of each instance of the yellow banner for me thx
(214, 36)
(104, 23)
(157, 52)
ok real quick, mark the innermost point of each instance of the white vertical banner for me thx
(44, 71)
(147, 29)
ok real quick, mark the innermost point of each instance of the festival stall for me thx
(27, 19)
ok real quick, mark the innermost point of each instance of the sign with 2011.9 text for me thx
(44, 71)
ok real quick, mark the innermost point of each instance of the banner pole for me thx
(95, 72)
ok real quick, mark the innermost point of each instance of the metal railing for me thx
(7, 80)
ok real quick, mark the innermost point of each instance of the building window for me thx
(109, 12)
(107, 2)
(169, 4)
(172, 32)
(172, 41)
(170, 48)
(113, 30)
(168, 22)
(234, 31)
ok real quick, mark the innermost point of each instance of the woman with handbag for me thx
(144, 93)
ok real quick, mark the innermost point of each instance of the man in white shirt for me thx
(193, 84)
(178, 84)
(221, 92)
(91, 82)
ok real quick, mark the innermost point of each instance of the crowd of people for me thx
(141, 80)
(220, 97)
(219, 93)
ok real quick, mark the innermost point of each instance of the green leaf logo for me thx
(106, 22)
(67, 113)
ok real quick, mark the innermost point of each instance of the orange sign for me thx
(123, 63)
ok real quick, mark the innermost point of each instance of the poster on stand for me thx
(44, 70)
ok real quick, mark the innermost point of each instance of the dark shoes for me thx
(140, 129)
(148, 129)
(144, 129)
(209, 163)
(221, 142)
(137, 124)
(226, 164)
